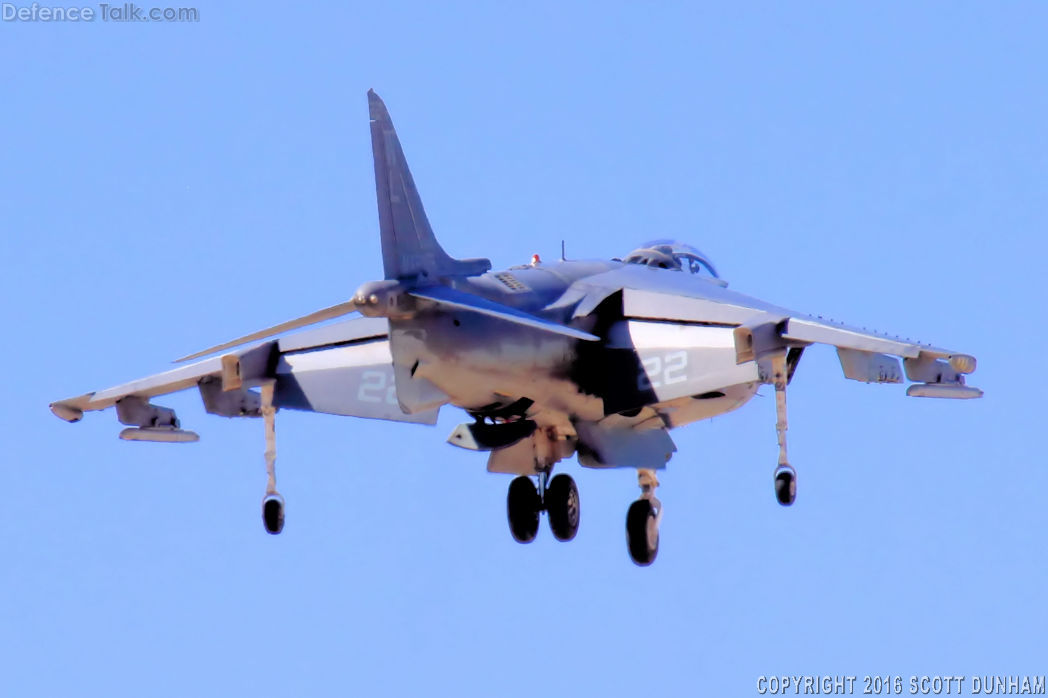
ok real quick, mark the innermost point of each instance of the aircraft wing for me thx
(874, 358)
(343, 368)
(72, 409)
(760, 329)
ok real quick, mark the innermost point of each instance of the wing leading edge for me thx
(762, 329)
(874, 358)
(344, 368)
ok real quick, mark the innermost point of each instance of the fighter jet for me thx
(596, 359)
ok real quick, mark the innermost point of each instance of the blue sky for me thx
(167, 186)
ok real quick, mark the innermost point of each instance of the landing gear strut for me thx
(558, 497)
(272, 502)
(642, 521)
(785, 475)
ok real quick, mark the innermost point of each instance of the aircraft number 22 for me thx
(375, 386)
(660, 370)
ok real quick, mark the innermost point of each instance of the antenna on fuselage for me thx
(563, 258)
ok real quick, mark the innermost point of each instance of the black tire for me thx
(273, 514)
(642, 532)
(522, 509)
(562, 505)
(785, 487)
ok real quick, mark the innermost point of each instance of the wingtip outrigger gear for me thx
(785, 474)
(272, 502)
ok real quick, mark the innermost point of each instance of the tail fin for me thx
(409, 248)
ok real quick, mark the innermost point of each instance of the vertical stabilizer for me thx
(409, 249)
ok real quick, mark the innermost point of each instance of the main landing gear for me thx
(272, 502)
(785, 475)
(642, 521)
(558, 497)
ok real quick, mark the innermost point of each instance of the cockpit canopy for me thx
(670, 254)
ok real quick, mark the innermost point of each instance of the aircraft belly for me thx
(479, 361)
(685, 410)
(472, 389)
(661, 364)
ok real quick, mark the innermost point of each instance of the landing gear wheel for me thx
(642, 532)
(562, 505)
(785, 485)
(522, 509)
(273, 513)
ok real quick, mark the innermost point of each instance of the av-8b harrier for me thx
(598, 359)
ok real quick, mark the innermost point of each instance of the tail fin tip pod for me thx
(409, 248)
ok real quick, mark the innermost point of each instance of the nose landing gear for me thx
(643, 519)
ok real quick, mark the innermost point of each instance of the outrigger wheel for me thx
(785, 485)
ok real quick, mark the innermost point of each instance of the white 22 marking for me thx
(373, 388)
(663, 370)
